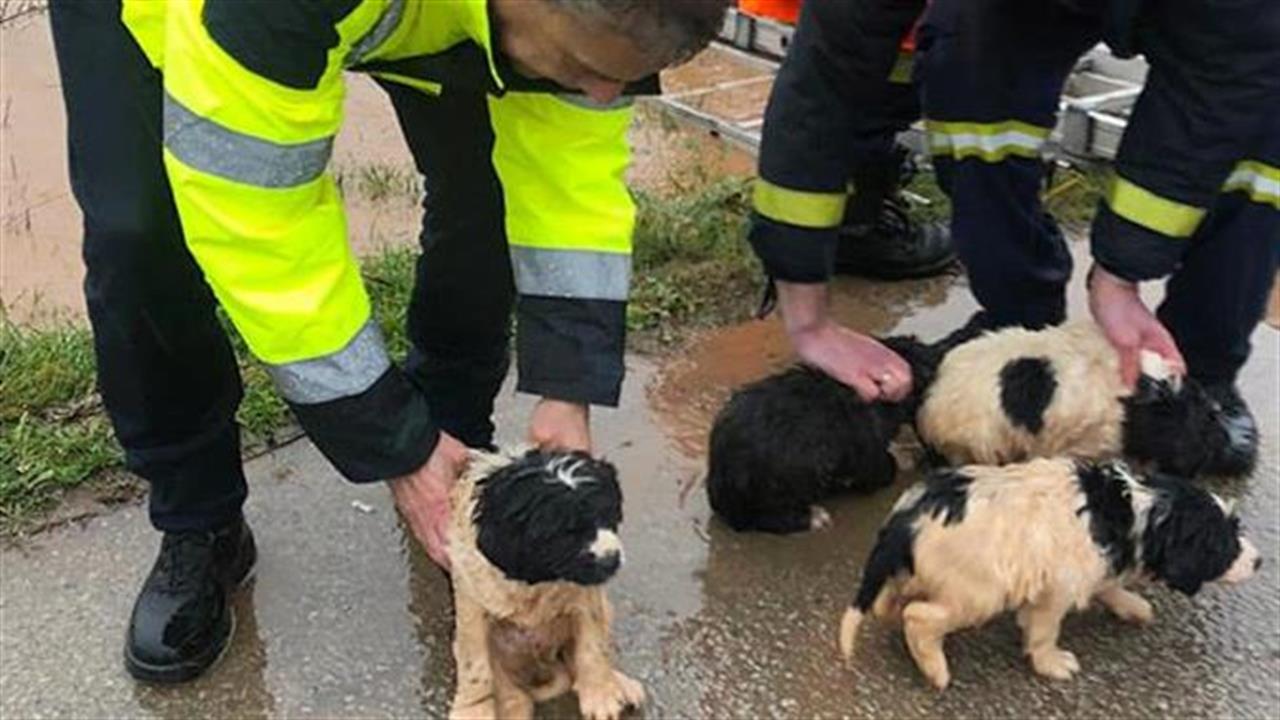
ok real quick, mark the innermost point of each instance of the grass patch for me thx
(692, 265)
(379, 182)
(53, 434)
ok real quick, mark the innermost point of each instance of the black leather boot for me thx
(879, 238)
(182, 620)
(1241, 452)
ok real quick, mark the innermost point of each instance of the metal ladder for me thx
(1093, 111)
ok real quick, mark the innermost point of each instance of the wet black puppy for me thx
(785, 442)
(1178, 428)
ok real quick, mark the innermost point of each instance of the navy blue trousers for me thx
(998, 67)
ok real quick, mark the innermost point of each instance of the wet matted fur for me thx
(533, 539)
(1040, 538)
(1018, 394)
(783, 443)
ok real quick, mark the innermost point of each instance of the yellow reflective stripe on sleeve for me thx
(571, 273)
(990, 142)
(276, 258)
(818, 210)
(562, 170)
(1258, 179)
(1143, 207)
(346, 372)
(901, 71)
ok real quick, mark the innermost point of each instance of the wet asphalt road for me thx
(347, 619)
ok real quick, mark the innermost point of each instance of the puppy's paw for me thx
(480, 710)
(608, 700)
(819, 518)
(937, 674)
(1055, 663)
(632, 690)
(1131, 608)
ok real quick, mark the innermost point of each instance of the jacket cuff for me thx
(793, 254)
(1133, 252)
(571, 349)
(382, 433)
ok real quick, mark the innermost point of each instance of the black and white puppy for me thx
(534, 538)
(781, 444)
(1017, 394)
(1040, 538)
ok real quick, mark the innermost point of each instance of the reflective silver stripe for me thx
(347, 372)
(1262, 182)
(211, 148)
(378, 34)
(583, 101)
(571, 273)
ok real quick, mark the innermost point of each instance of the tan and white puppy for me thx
(533, 539)
(1040, 539)
(1016, 394)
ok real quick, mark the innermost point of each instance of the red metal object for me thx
(787, 11)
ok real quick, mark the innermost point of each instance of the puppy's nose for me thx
(1257, 563)
(609, 563)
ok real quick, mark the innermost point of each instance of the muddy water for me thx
(696, 384)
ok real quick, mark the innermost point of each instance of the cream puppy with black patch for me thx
(534, 538)
(1040, 539)
(1018, 394)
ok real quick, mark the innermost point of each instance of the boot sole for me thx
(190, 669)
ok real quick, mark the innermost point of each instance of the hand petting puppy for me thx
(1129, 325)
(422, 496)
(859, 361)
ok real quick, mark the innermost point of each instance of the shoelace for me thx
(178, 553)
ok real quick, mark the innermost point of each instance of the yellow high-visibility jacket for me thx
(253, 94)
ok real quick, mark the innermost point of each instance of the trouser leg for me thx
(992, 73)
(166, 371)
(460, 313)
(1219, 293)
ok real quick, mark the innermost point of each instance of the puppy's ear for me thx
(1189, 540)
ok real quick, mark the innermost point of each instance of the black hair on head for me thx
(1189, 539)
(1179, 430)
(551, 515)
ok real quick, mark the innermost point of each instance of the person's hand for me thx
(874, 371)
(560, 425)
(423, 496)
(1129, 325)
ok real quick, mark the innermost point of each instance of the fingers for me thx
(1161, 342)
(895, 380)
(865, 385)
(1130, 365)
(438, 547)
